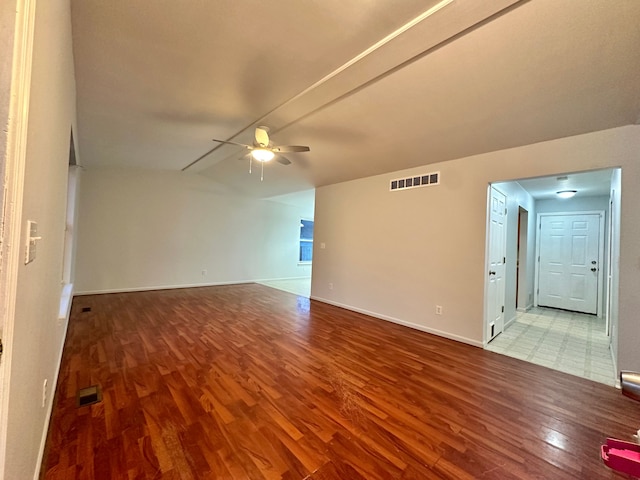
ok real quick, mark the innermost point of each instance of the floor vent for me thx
(86, 309)
(89, 395)
(424, 180)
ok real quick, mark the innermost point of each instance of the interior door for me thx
(496, 267)
(568, 262)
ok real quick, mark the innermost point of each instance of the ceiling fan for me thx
(263, 149)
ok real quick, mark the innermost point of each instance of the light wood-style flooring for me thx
(245, 381)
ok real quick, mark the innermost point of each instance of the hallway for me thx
(571, 342)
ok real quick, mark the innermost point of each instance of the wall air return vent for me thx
(415, 181)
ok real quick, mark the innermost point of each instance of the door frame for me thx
(11, 214)
(601, 236)
(522, 255)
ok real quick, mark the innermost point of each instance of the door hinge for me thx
(503, 309)
(0, 347)
(504, 259)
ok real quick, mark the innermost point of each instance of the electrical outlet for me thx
(330, 286)
(438, 309)
(44, 393)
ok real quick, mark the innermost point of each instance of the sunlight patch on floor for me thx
(297, 286)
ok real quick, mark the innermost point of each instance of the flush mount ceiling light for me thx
(566, 193)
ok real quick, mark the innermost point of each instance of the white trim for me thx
(54, 384)
(281, 278)
(525, 309)
(609, 257)
(65, 302)
(615, 366)
(16, 153)
(415, 326)
(159, 287)
(175, 287)
(509, 322)
(600, 214)
(487, 246)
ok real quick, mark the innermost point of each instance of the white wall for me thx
(142, 229)
(38, 336)
(518, 197)
(616, 221)
(398, 254)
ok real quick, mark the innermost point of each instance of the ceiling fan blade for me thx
(262, 136)
(283, 160)
(291, 148)
(231, 143)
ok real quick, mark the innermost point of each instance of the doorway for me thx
(527, 201)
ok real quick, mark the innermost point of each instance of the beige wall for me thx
(399, 254)
(139, 229)
(38, 336)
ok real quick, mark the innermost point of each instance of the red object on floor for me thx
(622, 456)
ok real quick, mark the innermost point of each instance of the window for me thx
(306, 241)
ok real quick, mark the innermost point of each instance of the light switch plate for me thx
(32, 238)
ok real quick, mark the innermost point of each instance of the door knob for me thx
(593, 269)
(491, 272)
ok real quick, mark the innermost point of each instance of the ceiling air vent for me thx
(424, 180)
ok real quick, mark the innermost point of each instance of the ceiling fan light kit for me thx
(263, 150)
(262, 154)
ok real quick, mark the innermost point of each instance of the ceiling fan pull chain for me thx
(262, 171)
(250, 158)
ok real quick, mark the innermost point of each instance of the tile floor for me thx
(298, 286)
(574, 343)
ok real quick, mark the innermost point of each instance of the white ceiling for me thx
(371, 86)
(587, 184)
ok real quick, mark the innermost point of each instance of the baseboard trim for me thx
(174, 287)
(404, 323)
(283, 278)
(161, 287)
(67, 295)
(509, 322)
(615, 368)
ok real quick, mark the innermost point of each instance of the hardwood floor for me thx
(245, 381)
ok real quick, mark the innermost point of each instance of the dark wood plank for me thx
(244, 381)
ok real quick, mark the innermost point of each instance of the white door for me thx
(496, 260)
(569, 251)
